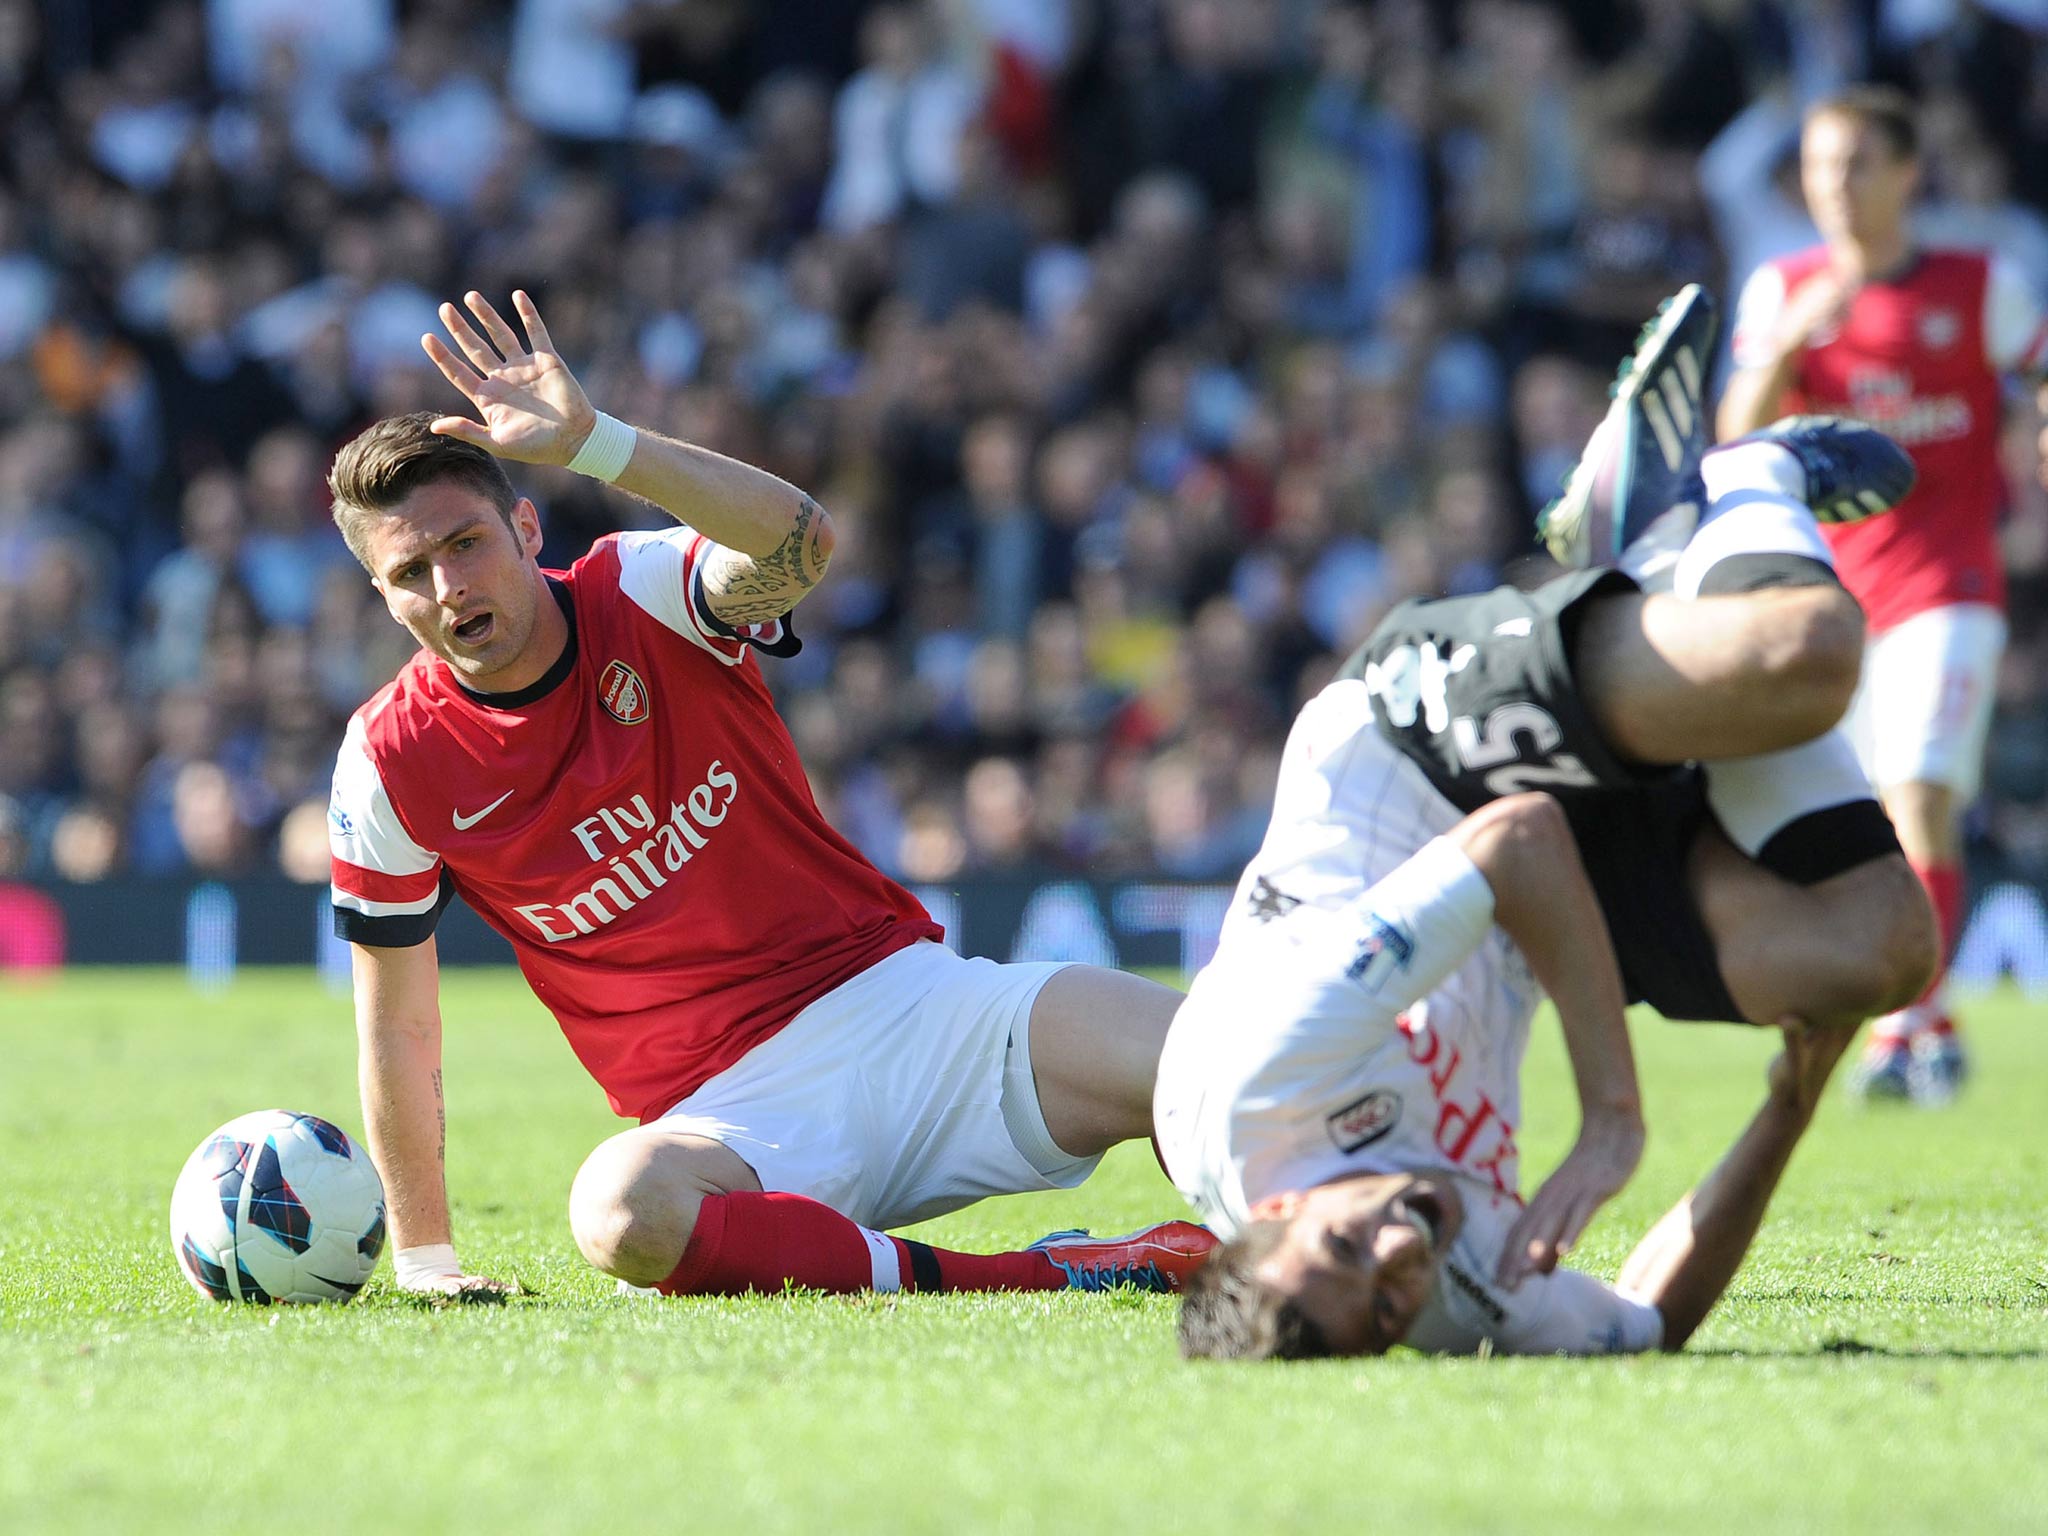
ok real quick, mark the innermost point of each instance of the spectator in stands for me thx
(1145, 352)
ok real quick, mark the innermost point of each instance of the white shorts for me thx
(901, 1094)
(1923, 711)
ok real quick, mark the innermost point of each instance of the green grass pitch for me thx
(1879, 1366)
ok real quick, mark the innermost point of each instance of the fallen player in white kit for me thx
(1339, 1095)
(1339, 1100)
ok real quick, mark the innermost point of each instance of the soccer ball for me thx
(276, 1206)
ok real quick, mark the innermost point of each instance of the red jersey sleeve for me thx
(662, 573)
(388, 891)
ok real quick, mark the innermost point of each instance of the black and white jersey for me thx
(1478, 692)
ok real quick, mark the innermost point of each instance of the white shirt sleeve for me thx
(1566, 1312)
(387, 890)
(1405, 934)
(1571, 1313)
(2015, 323)
(1757, 315)
(662, 573)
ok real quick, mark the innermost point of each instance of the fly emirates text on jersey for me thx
(639, 854)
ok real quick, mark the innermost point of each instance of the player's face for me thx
(1360, 1255)
(467, 586)
(1857, 187)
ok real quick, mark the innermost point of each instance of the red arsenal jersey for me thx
(636, 823)
(1919, 356)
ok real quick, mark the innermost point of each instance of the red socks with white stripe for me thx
(766, 1242)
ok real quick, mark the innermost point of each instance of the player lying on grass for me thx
(1339, 1093)
(591, 759)
(1340, 1099)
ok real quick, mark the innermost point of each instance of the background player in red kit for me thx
(591, 760)
(1915, 341)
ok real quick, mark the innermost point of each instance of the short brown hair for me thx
(1886, 108)
(1228, 1313)
(385, 463)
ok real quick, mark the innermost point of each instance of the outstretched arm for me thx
(1753, 397)
(1544, 901)
(1772, 334)
(1688, 1258)
(774, 541)
(398, 1068)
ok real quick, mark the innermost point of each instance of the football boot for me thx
(1852, 471)
(1641, 468)
(1157, 1259)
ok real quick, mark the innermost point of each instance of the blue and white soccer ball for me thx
(276, 1206)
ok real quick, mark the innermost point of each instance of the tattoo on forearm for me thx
(814, 542)
(752, 589)
(440, 1119)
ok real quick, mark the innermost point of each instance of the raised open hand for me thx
(533, 409)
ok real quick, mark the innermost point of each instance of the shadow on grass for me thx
(1880, 1351)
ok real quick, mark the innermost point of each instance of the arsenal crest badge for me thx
(622, 693)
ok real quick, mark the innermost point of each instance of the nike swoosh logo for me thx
(464, 823)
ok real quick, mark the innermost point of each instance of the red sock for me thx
(749, 1242)
(1944, 883)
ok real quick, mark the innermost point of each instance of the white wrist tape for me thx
(605, 452)
(428, 1262)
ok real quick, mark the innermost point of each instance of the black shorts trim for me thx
(1761, 571)
(1831, 842)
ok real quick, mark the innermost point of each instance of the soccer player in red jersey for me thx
(1916, 341)
(591, 759)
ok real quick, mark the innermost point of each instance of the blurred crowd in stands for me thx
(1144, 350)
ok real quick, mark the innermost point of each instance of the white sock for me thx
(1755, 506)
(1752, 466)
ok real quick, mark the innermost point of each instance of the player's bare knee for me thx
(1891, 943)
(623, 1219)
(1514, 842)
(1527, 826)
(1910, 944)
